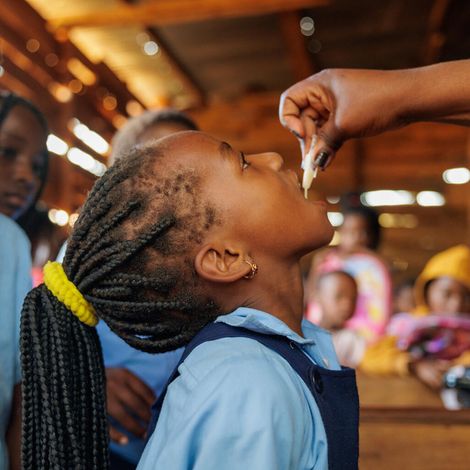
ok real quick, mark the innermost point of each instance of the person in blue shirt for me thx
(172, 238)
(23, 170)
(15, 282)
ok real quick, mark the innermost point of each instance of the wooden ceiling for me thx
(226, 62)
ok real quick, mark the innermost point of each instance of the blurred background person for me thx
(23, 171)
(359, 238)
(336, 295)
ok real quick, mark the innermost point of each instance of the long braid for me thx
(127, 256)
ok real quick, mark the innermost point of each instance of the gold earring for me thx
(254, 269)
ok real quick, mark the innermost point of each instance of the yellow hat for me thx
(453, 262)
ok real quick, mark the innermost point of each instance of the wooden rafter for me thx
(165, 12)
(299, 57)
(435, 38)
(178, 68)
(21, 22)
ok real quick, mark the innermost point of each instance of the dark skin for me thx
(22, 139)
(336, 294)
(265, 220)
(255, 193)
(341, 104)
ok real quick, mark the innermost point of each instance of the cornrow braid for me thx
(128, 256)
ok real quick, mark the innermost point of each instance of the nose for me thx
(270, 159)
(23, 172)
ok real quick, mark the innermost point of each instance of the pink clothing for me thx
(374, 302)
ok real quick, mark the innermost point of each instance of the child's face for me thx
(354, 233)
(22, 141)
(336, 295)
(448, 296)
(260, 204)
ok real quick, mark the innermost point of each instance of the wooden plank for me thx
(391, 445)
(299, 57)
(435, 38)
(165, 12)
(179, 69)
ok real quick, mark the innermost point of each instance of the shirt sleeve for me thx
(23, 285)
(246, 414)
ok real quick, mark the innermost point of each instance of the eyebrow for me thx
(13, 136)
(226, 150)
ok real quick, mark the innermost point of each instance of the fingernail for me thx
(296, 134)
(123, 440)
(322, 159)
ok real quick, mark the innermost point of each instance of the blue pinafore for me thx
(335, 391)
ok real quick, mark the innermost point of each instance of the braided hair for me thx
(129, 256)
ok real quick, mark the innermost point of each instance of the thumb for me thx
(329, 141)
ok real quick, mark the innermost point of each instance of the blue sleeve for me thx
(246, 414)
(23, 286)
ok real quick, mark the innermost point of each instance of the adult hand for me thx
(339, 104)
(129, 401)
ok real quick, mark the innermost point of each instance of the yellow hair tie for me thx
(57, 282)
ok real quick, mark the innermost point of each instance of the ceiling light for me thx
(387, 197)
(56, 145)
(456, 175)
(430, 199)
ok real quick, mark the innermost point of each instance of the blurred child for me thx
(442, 293)
(359, 236)
(336, 295)
(190, 242)
(404, 297)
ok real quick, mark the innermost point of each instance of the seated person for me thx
(336, 295)
(404, 297)
(443, 288)
(190, 242)
(359, 236)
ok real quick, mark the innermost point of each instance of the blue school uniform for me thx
(237, 403)
(15, 282)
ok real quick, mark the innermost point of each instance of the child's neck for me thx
(279, 292)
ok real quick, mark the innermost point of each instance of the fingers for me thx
(307, 109)
(129, 400)
(117, 436)
(141, 389)
(289, 115)
(130, 423)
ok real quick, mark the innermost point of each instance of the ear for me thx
(221, 263)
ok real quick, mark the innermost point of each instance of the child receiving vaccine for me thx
(336, 295)
(190, 242)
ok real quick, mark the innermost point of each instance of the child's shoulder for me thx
(244, 360)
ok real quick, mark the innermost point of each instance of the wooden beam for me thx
(21, 22)
(435, 38)
(165, 12)
(179, 69)
(299, 57)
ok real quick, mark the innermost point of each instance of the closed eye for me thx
(243, 163)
